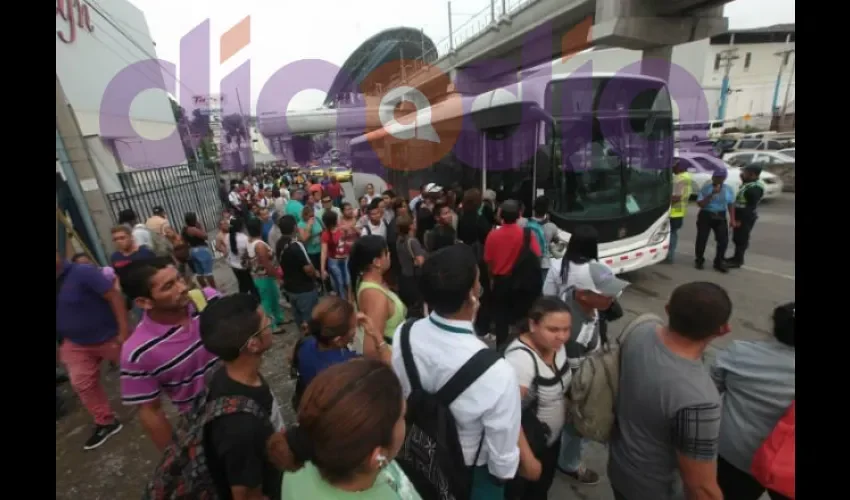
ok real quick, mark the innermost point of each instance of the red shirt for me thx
(334, 190)
(339, 242)
(502, 248)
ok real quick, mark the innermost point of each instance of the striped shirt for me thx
(166, 359)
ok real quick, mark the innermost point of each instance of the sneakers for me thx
(101, 434)
(583, 476)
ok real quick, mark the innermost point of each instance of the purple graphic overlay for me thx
(571, 101)
(639, 109)
(235, 141)
(137, 151)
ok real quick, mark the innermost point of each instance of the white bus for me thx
(615, 180)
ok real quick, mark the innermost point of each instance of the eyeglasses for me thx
(267, 323)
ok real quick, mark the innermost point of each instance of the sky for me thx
(284, 31)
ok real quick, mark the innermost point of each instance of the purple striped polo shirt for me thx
(166, 359)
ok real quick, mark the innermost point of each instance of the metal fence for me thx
(177, 189)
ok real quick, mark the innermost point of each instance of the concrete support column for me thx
(78, 167)
(650, 62)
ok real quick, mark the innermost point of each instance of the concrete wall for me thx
(755, 82)
(87, 65)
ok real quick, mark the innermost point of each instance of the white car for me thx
(765, 157)
(788, 152)
(701, 166)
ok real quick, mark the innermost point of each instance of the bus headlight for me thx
(660, 234)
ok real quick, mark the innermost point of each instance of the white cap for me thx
(597, 278)
(432, 188)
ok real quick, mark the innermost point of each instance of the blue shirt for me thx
(267, 227)
(83, 315)
(721, 200)
(312, 360)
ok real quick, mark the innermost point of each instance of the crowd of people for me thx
(438, 340)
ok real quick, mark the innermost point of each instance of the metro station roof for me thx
(386, 46)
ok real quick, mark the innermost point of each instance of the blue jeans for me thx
(571, 448)
(338, 269)
(675, 225)
(303, 304)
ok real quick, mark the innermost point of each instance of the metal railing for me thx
(468, 31)
(178, 189)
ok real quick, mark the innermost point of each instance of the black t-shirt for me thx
(292, 260)
(236, 443)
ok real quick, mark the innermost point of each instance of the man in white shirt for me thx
(374, 223)
(141, 233)
(445, 341)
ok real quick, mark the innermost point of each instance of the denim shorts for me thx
(202, 261)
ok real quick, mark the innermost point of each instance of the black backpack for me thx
(431, 456)
(527, 275)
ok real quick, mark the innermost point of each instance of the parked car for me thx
(788, 152)
(702, 166)
(727, 147)
(708, 147)
(739, 158)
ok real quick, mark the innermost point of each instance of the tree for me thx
(234, 128)
(183, 127)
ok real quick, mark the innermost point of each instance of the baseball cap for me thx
(158, 210)
(597, 278)
(720, 173)
(489, 195)
(432, 188)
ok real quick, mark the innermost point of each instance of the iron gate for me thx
(178, 189)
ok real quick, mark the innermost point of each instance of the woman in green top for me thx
(350, 427)
(368, 262)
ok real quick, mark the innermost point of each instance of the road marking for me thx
(767, 272)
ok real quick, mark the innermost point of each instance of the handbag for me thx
(774, 462)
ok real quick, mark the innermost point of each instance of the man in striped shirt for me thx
(164, 355)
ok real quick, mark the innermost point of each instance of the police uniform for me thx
(746, 213)
(678, 209)
(712, 218)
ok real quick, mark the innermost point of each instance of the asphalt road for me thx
(119, 468)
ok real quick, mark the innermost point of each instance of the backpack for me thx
(183, 473)
(592, 395)
(774, 463)
(526, 274)
(537, 228)
(536, 432)
(431, 455)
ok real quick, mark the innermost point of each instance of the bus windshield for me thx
(613, 160)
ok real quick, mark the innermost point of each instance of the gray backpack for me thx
(593, 389)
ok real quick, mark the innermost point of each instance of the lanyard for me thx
(449, 328)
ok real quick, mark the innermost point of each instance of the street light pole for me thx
(788, 92)
(451, 38)
(728, 56)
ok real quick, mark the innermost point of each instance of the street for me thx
(119, 469)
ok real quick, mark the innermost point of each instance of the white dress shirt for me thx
(490, 405)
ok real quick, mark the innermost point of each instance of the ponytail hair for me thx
(582, 248)
(364, 251)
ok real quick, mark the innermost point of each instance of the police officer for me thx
(714, 200)
(679, 205)
(749, 195)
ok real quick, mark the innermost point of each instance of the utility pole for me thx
(451, 37)
(788, 92)
(727, 57)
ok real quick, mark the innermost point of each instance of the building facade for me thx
(106, 61)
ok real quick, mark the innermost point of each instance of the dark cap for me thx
(752, 168)
(158, 210)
